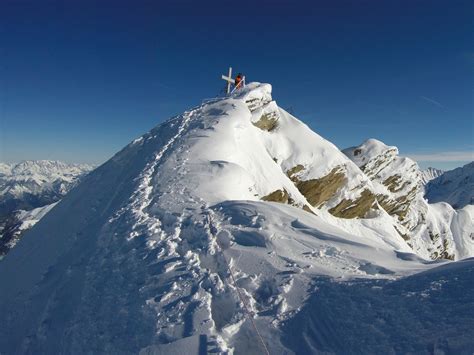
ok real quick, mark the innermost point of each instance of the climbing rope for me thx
(246, 307)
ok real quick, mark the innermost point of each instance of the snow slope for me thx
(427, 313)
(455, 187)
(202, 236)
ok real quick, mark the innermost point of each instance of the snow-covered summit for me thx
(369, 150)
(206, 234)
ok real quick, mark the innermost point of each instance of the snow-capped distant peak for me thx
(430, 174)
(48, 168)
(32, 176)
(5, 169)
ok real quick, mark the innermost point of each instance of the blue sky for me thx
(80, 79)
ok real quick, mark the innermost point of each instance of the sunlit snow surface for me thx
(167, 249)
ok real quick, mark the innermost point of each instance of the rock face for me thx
(455, 187)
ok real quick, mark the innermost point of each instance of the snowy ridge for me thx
(207, 230)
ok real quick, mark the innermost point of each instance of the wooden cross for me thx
(229, 79)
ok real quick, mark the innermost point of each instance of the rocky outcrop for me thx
(319, 191)
(280, 196)
(267, 122)
(356, 208)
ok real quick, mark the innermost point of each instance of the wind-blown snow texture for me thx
(168, 248)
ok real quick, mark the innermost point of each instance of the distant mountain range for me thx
(30, 189)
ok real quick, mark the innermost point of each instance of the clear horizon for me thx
(80, 80)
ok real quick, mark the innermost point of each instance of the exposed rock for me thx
(319, 191)
(267, 122)
(293, 171)
(357, 208)
(280, 196)
(442, 252)
(308, 209)
(395, 183)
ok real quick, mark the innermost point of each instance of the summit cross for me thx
(229, 80)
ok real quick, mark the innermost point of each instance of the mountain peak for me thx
(214, 223)
(368, 150)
